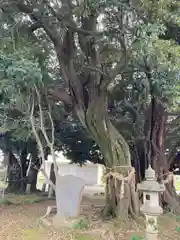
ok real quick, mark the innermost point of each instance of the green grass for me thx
(137, 238)
(13, 199)
(39, 232)
(81, 224)
(83, 238)
(33, 233)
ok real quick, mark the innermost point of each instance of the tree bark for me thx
(17, 171)
(139, 161)
(14, 174)
(53, 179)
(155, 153)
(121, 196)
(35, 165)
(23, 168)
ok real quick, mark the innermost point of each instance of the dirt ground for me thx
(21, 221)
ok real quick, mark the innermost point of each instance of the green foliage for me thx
(20, 72)
(12, 199)
(137, 238)
(166, 10)
(81, 224)
(159, 59)
(152, 69)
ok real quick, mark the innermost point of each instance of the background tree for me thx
(19, 144)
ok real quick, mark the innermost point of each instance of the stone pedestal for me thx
(151, 227)
(151, 208)
(60, 222)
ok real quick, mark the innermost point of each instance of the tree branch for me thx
(35, 26)
(63, 18)
(24, 8)
(71, 24)
(39, 143)
(60, 95)
(118, 69)
(49, 143)
(37, 18)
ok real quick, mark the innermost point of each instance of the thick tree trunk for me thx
(34, 167)
(139, 162)
(33, 173)
(17, 171)
(14, 174)
(121, 195)
(23, 168)
(155, 154)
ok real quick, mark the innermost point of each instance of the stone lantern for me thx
(151, 208)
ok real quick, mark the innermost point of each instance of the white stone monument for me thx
(69, 191)
(3, 178)
(151, 208)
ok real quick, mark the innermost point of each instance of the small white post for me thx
(50, 192)
(28, 188)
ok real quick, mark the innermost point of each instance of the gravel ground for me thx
(21, 222)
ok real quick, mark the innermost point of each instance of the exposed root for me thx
(170, 196)
(121, 196)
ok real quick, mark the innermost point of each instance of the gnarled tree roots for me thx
(121, 195)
